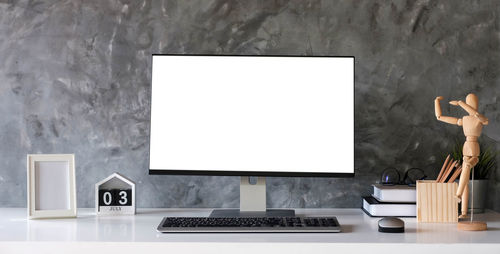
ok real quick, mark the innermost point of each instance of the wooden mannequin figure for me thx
(472, 126)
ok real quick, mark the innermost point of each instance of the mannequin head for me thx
(471, 100)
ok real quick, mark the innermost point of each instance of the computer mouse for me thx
(391, 225)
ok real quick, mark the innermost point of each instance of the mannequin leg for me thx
(465, 202)
(464, 176)
(468, 163)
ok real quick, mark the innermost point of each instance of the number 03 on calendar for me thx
(115, 195)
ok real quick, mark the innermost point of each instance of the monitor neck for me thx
(252, 202)
(252, 195)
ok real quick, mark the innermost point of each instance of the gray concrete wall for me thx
(75, 77)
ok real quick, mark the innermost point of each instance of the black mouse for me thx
(391, 225)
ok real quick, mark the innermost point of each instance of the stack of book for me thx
(394, 200)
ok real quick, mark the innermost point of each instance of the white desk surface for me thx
(138, 232)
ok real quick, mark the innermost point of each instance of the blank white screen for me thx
(232, 113)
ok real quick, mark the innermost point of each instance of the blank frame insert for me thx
(52, 185)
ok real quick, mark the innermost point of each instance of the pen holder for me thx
(436, 202)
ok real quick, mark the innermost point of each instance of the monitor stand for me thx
(253, 202)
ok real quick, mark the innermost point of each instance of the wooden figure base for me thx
(472, 226)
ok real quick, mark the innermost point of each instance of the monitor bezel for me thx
(246, 173)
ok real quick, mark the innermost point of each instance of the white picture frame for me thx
(51, 186)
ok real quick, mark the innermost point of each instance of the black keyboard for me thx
(249, 224)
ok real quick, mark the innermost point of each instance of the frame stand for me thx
(252, 202)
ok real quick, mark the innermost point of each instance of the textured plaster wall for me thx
(75, 77)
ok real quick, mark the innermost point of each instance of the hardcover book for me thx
(375, 208)
(394, 193)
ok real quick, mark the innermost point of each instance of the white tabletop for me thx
(133, 231)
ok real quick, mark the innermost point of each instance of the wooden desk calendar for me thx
(115, 195)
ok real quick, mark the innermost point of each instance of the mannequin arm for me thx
(471, 111)
(466, 107)
(450, 120)
(482, 118)
(440, 117)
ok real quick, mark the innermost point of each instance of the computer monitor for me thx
(252, 116)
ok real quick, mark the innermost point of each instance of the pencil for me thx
(455, 175)
(443, 168)
(448, 171)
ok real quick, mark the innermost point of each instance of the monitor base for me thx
(220, 213)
